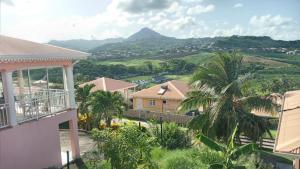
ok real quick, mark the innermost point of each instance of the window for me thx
(152, 102)
(165, 102)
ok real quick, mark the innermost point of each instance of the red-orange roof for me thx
(176, 90)
(108, 84)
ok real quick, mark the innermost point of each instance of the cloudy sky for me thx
(43, 20)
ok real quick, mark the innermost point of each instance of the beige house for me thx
(164, 97)
(288, 134)
(112, 85)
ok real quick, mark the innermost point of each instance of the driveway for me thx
(85, 144)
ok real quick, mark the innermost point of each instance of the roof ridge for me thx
(178, 91)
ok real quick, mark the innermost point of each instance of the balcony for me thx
(38, 105)
(31, 94)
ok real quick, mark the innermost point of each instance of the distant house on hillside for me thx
(112, 85)
(164, 97)
(288, 135)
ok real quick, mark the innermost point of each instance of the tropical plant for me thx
(125, 148)
(104, 104)
(83, 96)
(230, 152)
(172, 136)
(218, 90)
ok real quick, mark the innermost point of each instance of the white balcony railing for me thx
(3, 115)
(40, 104)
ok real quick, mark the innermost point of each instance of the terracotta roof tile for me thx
(177, 90)
(108, 84)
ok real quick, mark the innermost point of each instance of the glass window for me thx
(165, 102)
(152, 102)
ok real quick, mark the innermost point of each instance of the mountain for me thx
(84, 45)
(151, 44)
(146, 33)
(246, 42)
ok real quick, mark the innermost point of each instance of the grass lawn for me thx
(129, 62)
(198, 58)
(185, 78)
(139, 78)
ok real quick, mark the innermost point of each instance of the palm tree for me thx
(83, 95)
(230, 152)
(104, 104)
(218, 89)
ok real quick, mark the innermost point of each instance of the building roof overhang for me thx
(18, 50)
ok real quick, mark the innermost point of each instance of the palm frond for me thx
(259, 103)
(211, 143)
(195, 100)
(243, 150)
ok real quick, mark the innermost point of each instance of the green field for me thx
(129, 62)
(185, 78)
(198, 58)
(139, 78)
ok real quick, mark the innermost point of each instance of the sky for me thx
(44, 20)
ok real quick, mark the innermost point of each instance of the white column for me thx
(8, 91)
(21, 82)
(69, 81)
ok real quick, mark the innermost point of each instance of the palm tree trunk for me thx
(108, 121)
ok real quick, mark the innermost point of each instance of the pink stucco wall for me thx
(35, 144)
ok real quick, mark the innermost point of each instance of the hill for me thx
(82, 44)
(147, 43)
(146, 33)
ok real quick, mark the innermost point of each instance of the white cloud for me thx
(179, 18)
(238, 5)
(200, 9)
(278, 27)
(138, 6)
(176, 25)
(236, 30)
(7, 2)
(269, 21)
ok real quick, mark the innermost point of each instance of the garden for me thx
(211, 140)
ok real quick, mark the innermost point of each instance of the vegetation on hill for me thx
(82, 44)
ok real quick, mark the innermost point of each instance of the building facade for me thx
(162, 98)
(31, 111)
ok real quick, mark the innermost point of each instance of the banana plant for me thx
(230, 152)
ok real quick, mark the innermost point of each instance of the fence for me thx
(264, 143)
(168, 117)
(40, 104)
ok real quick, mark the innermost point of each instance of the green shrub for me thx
(172, 136)
(184, 163)
(254, 161)
(205, 155)
(125, 148)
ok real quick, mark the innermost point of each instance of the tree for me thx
(105, 103)
(217, 88)
(83, 95)
(230, 152)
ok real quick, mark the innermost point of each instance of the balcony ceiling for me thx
(15, 50)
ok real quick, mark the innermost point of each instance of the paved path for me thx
(85, 144)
